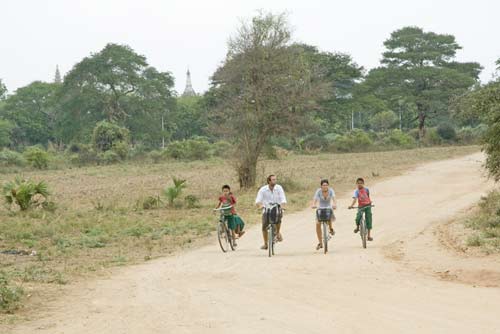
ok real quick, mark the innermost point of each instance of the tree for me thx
(383, 121)
(342, 74)
(190, 118)
(32, 111)
(115, 84)
(484, 103)
(264, 88)
(419, 67)
(5, 132)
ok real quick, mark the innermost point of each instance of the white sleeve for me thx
(259, 197)
(283, 197)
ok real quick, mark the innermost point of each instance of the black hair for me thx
(226, 186)
(324, 181)
(269, 178)
(360, 179)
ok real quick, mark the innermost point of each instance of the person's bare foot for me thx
(279, 237)
(240, 234)
(263, 247)
(370, 239)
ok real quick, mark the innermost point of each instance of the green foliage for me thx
(446, 131)
(172, 193)
(264, 88)
(191, 149)
(156, 156)
(399, 139)
(106, 135)
(486, 221)
(419, 69)
(82, 154)
(32, 110)
(109, 157)
(354, 141)
(122, 149)
(10, 296)
(223, 149)
(25, 193)
(432, 137)
(6, 128)
(11, 158)
(484, 104)
(37, 157)
(383, 121)
(192, 201)
(3, 90)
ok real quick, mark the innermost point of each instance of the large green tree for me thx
(419, 68)
(342, 75)
(264, 88)
(3, 90)
(118, 85)
(32, 111)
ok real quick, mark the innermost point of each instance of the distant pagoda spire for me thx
(188, 91)
(57, 77)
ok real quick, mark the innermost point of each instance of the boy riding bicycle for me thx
(234, 222)
(362, 195)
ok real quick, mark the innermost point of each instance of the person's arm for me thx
(333, 200)
(314, 203)
(354, 199)
(259, 199)
(283, 198)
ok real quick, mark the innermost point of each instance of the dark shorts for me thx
(265, 222)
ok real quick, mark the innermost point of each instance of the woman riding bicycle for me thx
(324, 198)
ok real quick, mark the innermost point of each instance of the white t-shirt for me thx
(266, 196)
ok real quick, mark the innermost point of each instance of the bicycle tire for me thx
(270, 241)
(230, 238)
(325, 237)
(363, 232)
(222, 236)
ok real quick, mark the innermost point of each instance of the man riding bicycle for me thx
(272, 193)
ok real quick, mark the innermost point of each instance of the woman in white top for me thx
(324, 198)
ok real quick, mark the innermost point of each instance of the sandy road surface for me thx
(383, 289)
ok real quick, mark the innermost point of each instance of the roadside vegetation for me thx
(485, 222)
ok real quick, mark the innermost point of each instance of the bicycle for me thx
(224, 234)
(363, 231)
(272, 213)
(324, 215)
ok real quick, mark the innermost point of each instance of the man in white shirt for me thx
(268, 194)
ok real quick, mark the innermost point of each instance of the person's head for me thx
(226, 189)
(324, 184)
(360, 182)
(271, 180)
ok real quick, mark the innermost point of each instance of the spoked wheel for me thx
(230, 238)
(325, 237)
(362, 230)
(223, 237)
(270, 240)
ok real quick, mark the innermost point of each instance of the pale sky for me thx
(174, 35)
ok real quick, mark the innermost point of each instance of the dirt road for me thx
(394, 286)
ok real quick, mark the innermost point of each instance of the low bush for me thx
(12, 158)
(37, 157)
(354, 141)
(10, 296)
(190, 149)
(446, 131)
(25, 193)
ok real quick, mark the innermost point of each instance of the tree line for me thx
(269, 90)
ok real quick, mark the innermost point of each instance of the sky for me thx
(174, 35)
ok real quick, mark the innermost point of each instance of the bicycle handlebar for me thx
(223, 208)
(361, 207)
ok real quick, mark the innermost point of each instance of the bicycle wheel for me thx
(325, 237)
(363, 231)
(222, 236)
(270, 240)
(230, 237)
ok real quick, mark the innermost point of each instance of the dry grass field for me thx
(100, 220)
